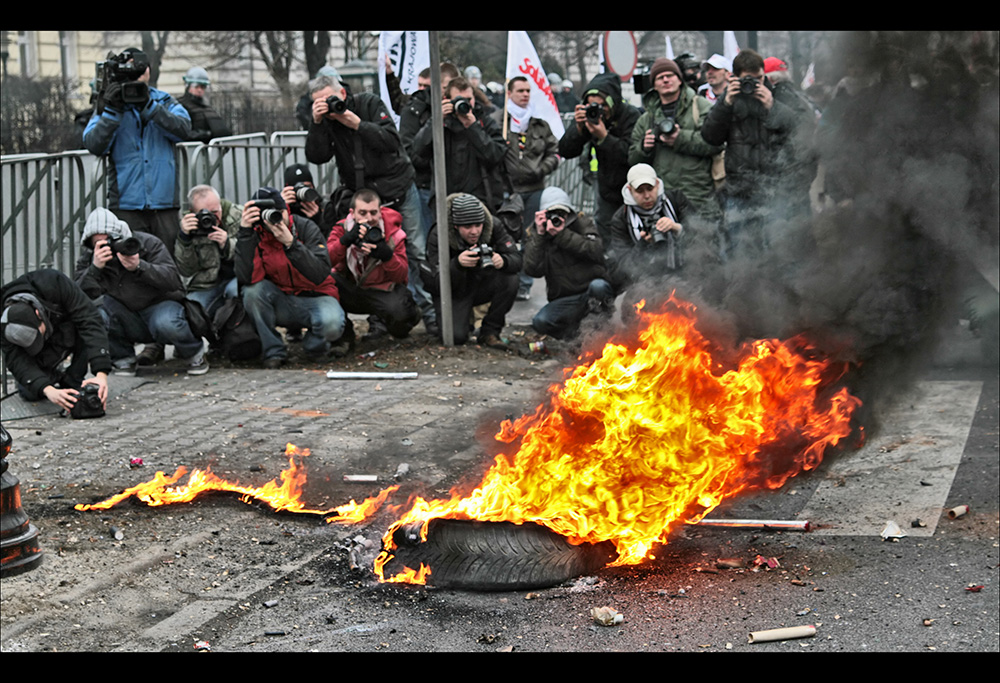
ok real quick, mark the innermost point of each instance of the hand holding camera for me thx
(461, 108)
(265, 213)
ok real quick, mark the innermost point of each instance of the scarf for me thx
(639, 218)
(519, 117)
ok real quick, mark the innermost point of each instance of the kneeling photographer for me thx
(205, 247)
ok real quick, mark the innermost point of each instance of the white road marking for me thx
(905, 472)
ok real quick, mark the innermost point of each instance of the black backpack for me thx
(236, 333)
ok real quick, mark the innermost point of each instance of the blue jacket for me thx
(142, 170)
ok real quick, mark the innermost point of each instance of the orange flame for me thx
(286, 496)
(642, 440)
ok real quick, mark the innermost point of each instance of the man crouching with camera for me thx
(205, 247)
(484, 263)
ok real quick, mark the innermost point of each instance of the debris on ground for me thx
(892, 531)
(606, 616)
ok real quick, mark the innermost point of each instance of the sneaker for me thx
(124, 367)
(198, 365)
(151, 354)
(524, 294)
(492, 341)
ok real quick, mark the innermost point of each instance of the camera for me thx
(373, 235)
(594, 111)
(666, 127)
(748, 85)
(485, 252)
(88, 403)
(650, 227)
(118, 69)
(336, 105)
(556, 218)
(269, 211)
(462, 106)
(206, 222)
(126, 246)
(304, 193)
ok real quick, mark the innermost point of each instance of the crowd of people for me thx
(705, 158)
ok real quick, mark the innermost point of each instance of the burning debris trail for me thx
(643, 439)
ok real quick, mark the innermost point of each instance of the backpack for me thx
(236, 332)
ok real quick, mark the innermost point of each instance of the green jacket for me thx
(200, 261)
(687, 166)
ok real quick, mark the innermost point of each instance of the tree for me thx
(154, 43)
(316, 45)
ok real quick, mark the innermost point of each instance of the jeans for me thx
(163, 323)
(412, 209)
(212, 298)
(270, 307)
(561, 317)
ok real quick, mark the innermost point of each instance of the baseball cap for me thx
(717, 61)
(772, 64)
(641, 174)
(21, 327)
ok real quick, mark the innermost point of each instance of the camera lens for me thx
(462, 106)
(336, 105)
(304, 193)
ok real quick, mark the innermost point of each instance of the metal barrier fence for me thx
(46, 198)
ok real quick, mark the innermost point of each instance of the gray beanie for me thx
(467, 210)
(103, 222)
(555, 198)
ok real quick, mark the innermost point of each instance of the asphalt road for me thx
(220, 575)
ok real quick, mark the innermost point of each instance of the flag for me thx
(670, 49)
(522, 60)
(729, 47)
(409, 53)
(810, 76)
(600, 54)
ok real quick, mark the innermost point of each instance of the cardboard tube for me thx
(334, 374)
(782, 634)
(792, 525)
(957, 512)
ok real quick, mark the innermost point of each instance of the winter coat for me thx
(465, 280)
(528, 167)
(687, 166)
(156, 279)
(200, 261)
(413, 117)
(70, 316)
(303, 269)
(757, 152)
(568, 260)
(384, 275)
(628, 253)
(386, 168)
(612, 153)
(206, 123)
(140, 145)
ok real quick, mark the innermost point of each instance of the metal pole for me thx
(440, 193)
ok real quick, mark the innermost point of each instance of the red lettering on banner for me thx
(532, 72)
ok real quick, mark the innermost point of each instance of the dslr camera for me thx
(269, 211)
(336, 105)
(118, 69)
(206, 222)
(373, 235)
(88, 403)
(462, 106)
(594, 111)
(304, 193)
(748, 85)
(650, 227)
(126, 246)
(485, 252)
(666, 127)
(555, 217)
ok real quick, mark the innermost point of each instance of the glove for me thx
(113, 96)
(351, 236)
(383, 251)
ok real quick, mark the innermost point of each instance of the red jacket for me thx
(367, 271)
(303, 268)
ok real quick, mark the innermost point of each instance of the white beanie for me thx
(103, 222)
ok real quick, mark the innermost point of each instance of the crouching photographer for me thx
(205, 247)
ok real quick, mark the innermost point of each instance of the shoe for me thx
(198, 365)
(492, 341)
(124, 367)
(524, 294)
(273, 363)
(151, 354)
(376, 330)
(338, 349)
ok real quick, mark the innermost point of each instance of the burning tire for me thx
(495, 556)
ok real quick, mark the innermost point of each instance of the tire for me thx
(496, 556)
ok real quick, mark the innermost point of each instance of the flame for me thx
(283, 497)
(644, 439)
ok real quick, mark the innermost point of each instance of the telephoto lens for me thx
(304, 193)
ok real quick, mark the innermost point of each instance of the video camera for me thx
(118, 69)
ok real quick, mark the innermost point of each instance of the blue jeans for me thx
(561, 317)
(163, 323)
(270, 307)
(211, 299)
(416, 246)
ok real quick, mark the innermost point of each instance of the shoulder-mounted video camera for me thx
(119, 69)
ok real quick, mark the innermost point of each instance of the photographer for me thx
(755, 129)
(46, 318)
(564, 248)
(205, 247)
(483, 264)
(302, 197)
(668, 137)
(140, 289)
(368, 254)
(602, 134)
(136, 127)
(283, 268)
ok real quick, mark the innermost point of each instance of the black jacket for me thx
(157, 278)
(568, 260)
(206, 123)
(384, 164)
(71, 317)
(413, 117)
(612, 154)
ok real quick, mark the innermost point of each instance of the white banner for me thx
(730, 48)
(670, 49)
(409, 54)
(522, 60)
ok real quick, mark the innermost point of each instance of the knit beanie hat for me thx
(555, 198)
(103, 222)
(663, 64)
(298, 173)
(467, 210)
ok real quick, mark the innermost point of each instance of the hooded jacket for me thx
(140, 145)
(612, 153)
(568, 260)
(156, 279)
(70, 317)
(303, 269)
(464, 280)
(377, 274)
